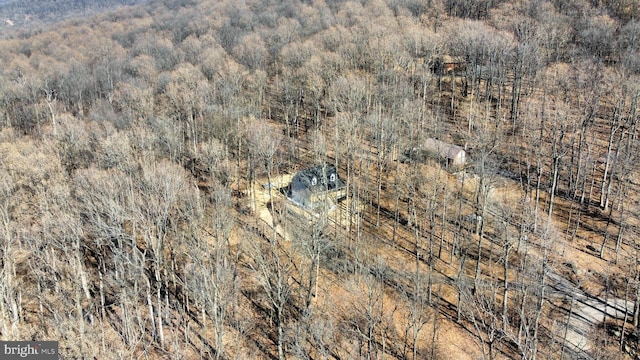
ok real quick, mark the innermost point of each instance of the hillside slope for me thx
(29, 13)
(144, 155)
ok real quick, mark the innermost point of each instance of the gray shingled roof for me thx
(311, 181)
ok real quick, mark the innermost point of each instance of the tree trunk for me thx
(280, 326)
(554, 183)
(505, 319)
(480, 220)
(152, 318)
(539, 308)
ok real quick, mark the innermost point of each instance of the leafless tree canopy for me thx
(146, 148)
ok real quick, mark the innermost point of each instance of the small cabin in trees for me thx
(454, 155)
(448, 65)
(309, 187)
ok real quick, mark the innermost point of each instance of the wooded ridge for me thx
(146, 149)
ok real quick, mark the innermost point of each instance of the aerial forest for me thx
(146, 148)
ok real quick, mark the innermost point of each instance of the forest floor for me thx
(396, 246)
(337, 296)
